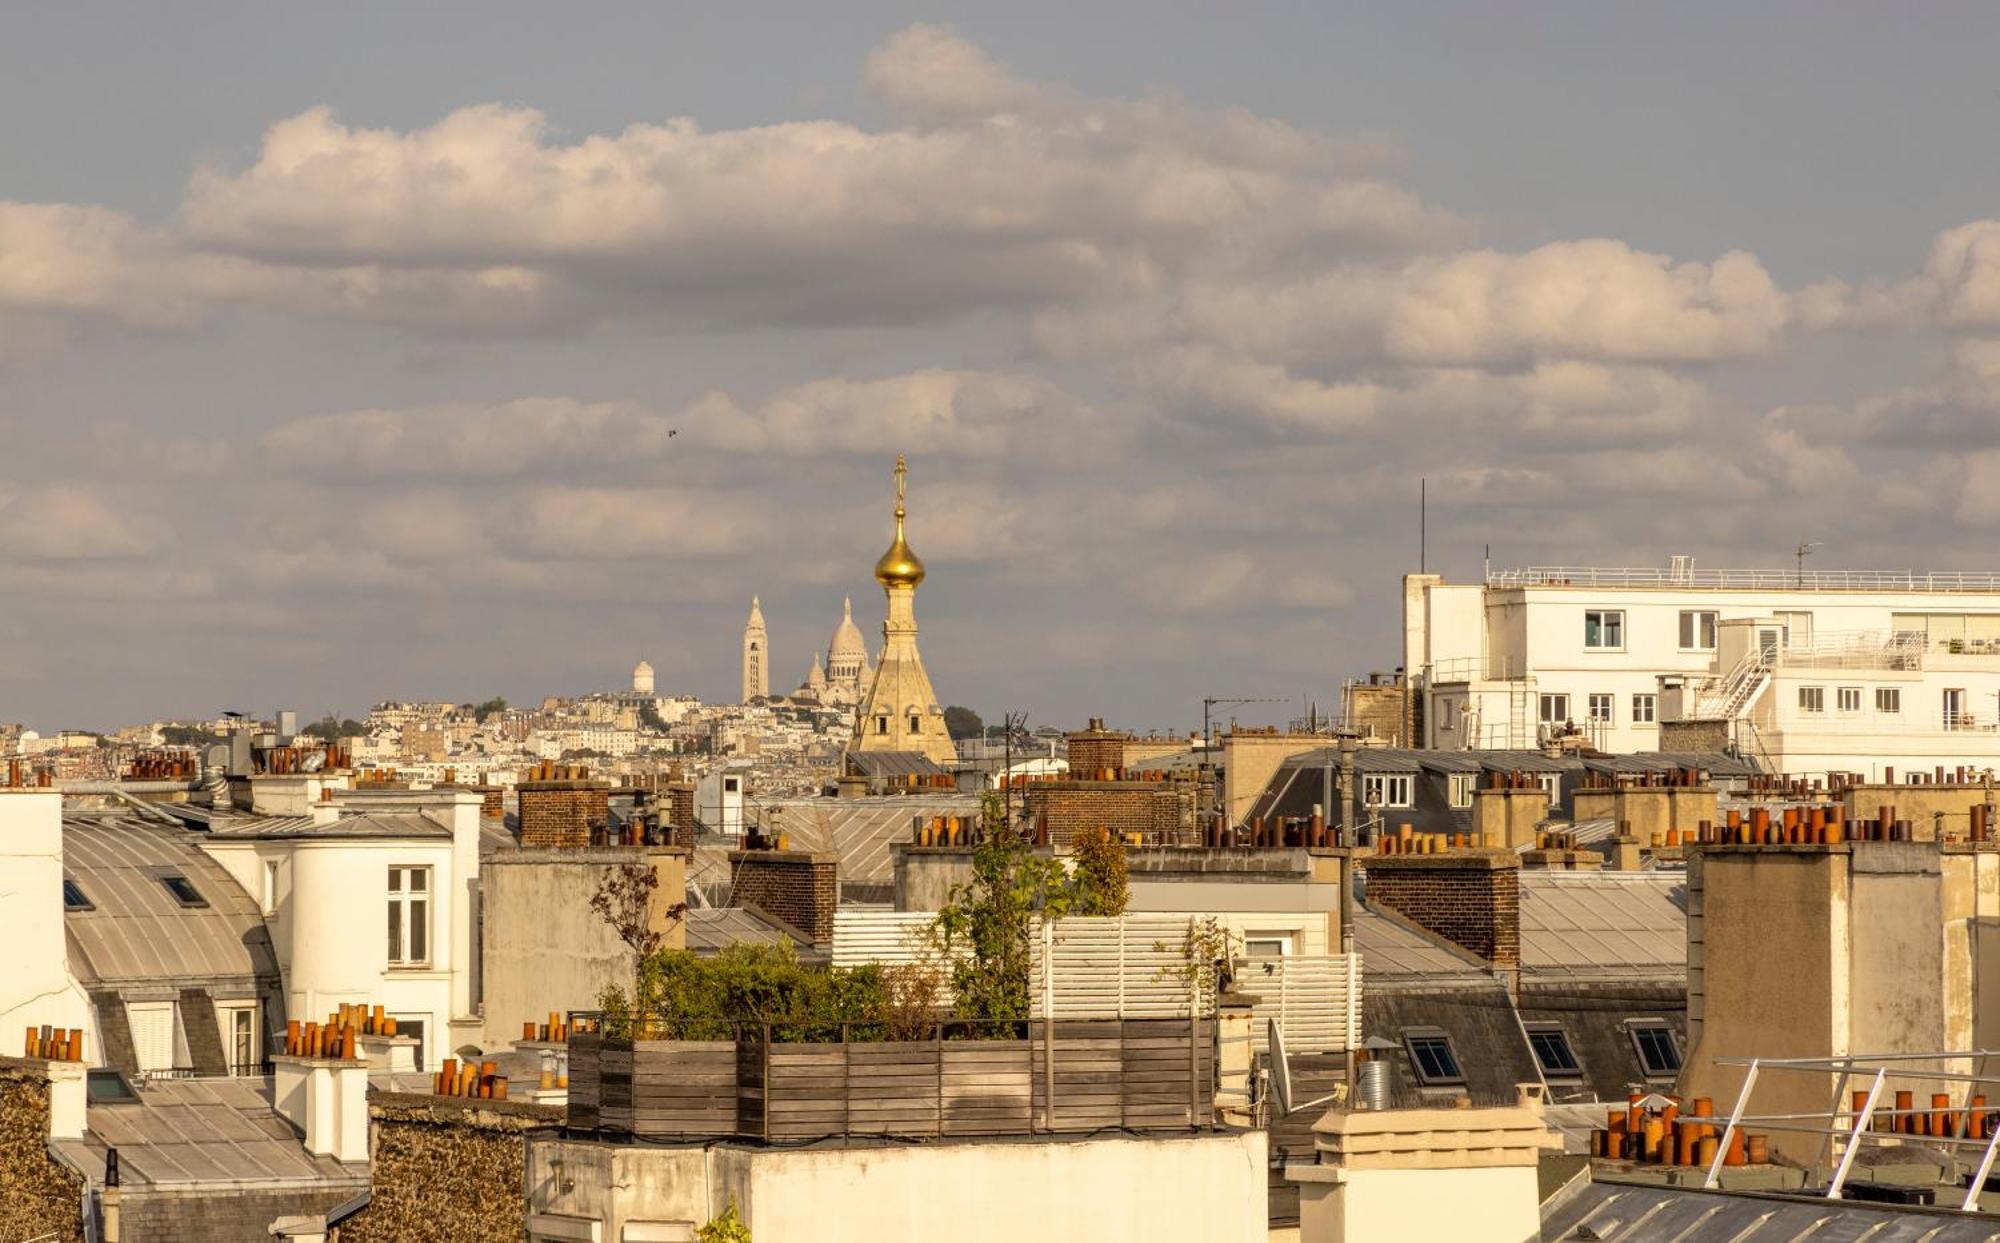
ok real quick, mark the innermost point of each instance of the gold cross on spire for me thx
(901, 471)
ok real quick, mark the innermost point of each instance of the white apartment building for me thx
(1804, 672)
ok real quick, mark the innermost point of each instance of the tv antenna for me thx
(1803, 551)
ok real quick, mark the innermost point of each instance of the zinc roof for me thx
(859, 830)
(135, 928)
(719, 927)
(1621, 1211)
(1580, 922)
(1388, 948)
(374, 824)
(202, 1132)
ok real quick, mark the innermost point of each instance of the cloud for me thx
(469, 440)
(65, 522)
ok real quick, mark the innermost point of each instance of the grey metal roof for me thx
(206, 1133)
(374, 824)
(1390, 949)
(859, 830)
(892, 763)
(1714, 763)
(1580, 922)
(1628, 1212)
(720, 927)
(136, 929)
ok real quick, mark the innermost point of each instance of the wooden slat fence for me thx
(1144, 1074)
(1120, 966)
(863, 936)
(1316, 1000)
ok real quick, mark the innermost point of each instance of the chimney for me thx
(563, 809)
(326, 1098)
(800, 887)
(1471, 898)
(1097, 753)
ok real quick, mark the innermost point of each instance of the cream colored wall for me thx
(1424, 1206)
(1774, 976)
(1251, 760)
(1122, 1189)
(36, 986)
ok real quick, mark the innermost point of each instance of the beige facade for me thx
(1825, 951)
(1250, 758)
(901, 711)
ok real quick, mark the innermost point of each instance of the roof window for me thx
(73, 897)
(1657, 1051)
(1432, 1055)
(183, 890)
(1552, 1051)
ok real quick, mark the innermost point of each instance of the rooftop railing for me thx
(1748, 580)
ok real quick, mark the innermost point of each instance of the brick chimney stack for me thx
(800, 887)
(563, 809)
(1097, 753)
(1471, 898)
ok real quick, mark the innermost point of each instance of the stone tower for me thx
(756, 655)
(642, 679)
(901, 712)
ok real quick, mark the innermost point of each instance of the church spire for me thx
(900, 567)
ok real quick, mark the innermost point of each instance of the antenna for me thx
(1423, 523)
(1804, 550)
(1281, 1076)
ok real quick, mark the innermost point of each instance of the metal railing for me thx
(1747, 580)
(1856, 649)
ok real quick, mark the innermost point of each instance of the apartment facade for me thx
(1802, 671)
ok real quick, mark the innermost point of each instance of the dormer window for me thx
(183, 890)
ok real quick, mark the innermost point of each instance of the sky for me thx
(380, 351)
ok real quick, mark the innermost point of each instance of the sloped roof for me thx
(202, 1132)
(373, 824)
(891, 763)
(1613, 922)
(859, 830)
(1689, 1212)
(1390, 949)
(720, 927)
(135, 928)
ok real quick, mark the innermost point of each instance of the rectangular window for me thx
(152, 1024)
(1432, 1056)
(1848, 698)
(183, 890)
(1552, 1051)
(1812, 699)
(270, 888)
(239, 1034)
(1462, 785)
(1697, 630)
(1657, 1051)
(1551, 785)
(1888, 699)
(1555, 709)
(916, 724)
(1267, 944)
(881, 724)
(1604, 629)
(413, 1026)
(409, 916)
(1645, 709)
(1600, 708)
(1386, 789)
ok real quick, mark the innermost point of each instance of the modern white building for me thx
(1802, 671)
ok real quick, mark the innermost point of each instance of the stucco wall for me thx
(1198, 1189)
(1423, 1206)
(1774, 973)
(543, 947)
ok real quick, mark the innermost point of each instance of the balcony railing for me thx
(1748, 580)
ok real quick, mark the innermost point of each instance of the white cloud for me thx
(470, 440)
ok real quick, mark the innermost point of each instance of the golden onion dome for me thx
(899, 567)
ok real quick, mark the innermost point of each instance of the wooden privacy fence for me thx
(1316, 1000)
(1140, 1074)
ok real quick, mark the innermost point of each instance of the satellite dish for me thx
(1281, 1070)
(313, 763)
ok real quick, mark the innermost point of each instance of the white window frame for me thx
(1461, 787)
(1889, 700)
(1698, 630)
(1610, 626)
(1645, 708)
(1557, 699)
(144, 1018)
(1551, 784)
(1600, 707)
(1812, 700)
(1847, 700)
(1281, 940)
(1380, 790)
(228, 1015)
(270, 886)
(411, 907)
